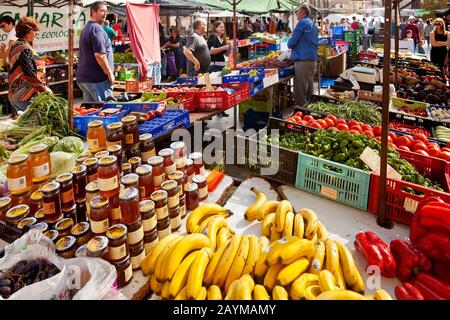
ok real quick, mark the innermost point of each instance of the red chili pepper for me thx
(408, 259)
(441, 271)
(437, 286)
(408, 292)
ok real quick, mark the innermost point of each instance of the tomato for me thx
(421, 137)
(369, 133)
(329, 122)
(354, 131)
(352, 123)
(342, 127)
(377, 130)
(297, 119)
(393, 136)
(101, 114)
(340, 121)
(365, 127)
(378, 139)
(302, 122)
(433, 151)
(446, 149)
(299, 114)
(445, 155)
(308, 118)
(323, 123)
(391, 145)
(390, 141)
(291, 119)
(404, 148)
(423, 152)
(433, 145)
(356, 127)
(448, 144)
(315, 124)
(420, 146)
(404, 141)
(332, 117)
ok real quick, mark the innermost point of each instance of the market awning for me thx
(38, 3)
(252, 6)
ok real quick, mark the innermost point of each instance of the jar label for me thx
(183, 210)
(108, 184)
(116, 214)
(41, 171)
(149, 224)
(181, 162)
(118, 253)
(203, 193)
(17, 183)
(49, 207)
(158, 180)
(99, 226)
(175, 222)
(67, 196)
(169, 169)
(162, 212)
(149, 246)
(135, 236)
(128, 273)
(113, 143)
(92, 144)
(129, 138)
(173, 201)
(164, 233)
(142, 193)
(148, 154)
(136, 261)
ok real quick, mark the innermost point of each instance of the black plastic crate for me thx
(9, 233)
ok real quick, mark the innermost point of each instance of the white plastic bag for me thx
(286, 55)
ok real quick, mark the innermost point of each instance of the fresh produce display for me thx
(268, 62)
(25, 273)
(440, 114)
(434, 92)
(409, 260)
(396, 125)
(127, 57)
(414, 112)
(442, 133)
(81, 111)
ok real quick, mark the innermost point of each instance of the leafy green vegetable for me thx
(49, 141)
(70, 144)
(62, 162)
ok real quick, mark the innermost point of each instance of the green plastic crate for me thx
(333, 180)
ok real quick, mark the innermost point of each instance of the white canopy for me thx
(217, 14)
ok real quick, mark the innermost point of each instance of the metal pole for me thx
(397, 41)
(382, 220)
(70, 71)
(234, 34)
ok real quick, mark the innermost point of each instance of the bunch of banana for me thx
(201, 216)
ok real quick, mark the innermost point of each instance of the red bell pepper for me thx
(408, 259)
(435, 285)
(408, 292)
(441, 271)
(376, 252)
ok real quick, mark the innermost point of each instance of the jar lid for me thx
(129, 179)
(80, 228)
(115, 148)
(176, 175)
(146, 206)
(134, 160)
(165, 152)
(18, 158)
(39, 214)
(18, 212)
(65, 177)
(107, 161)
(145, 137)
(114, 126)
(38, 148)
(177, 145)
(4, 202)
(129, 119)
(90, 162)
(101, 154)
(128, 194)
(191, 187)
(98, 202)
(41, 226)
(169, 185)
(144, 169)
(117, 231)
(51, 234)
(189, 162)
(80, 159)
(64, 224)
(71, 211)
(29, 221)
(79, 169)
(65, 243)
(126, 166)
(50, 187)
(92, 186)
(155, 161)
(95, 124)
(35, 196)
(158, 195)
(195, 155)
(97, 246)
(81, 251)
(199, 178)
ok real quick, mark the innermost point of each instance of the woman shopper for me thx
(176, 48)
(24, 81)
(218, 47)
(438, 39)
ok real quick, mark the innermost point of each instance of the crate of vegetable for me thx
(108, 114)
(439, 113)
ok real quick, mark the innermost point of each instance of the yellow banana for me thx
(190, 243)
(148, 263)
(263, 242)
(155, 285)
(230, 295)
(298, 287)
(160, 262)
(332, 262)
(382, 295)
(349, 269)
(182, 295)
(292, 271)
(223, 236)
(250, 213)
(318, 257)
(165, 291)
(274, 235)
(202, 211)
(268, 224)
(270, 279)
(268, 207)
(214, 293)
(312, 292)
(368, 296)
(213, 228)
(322, 233)
(244, 288)
(180, 277)
(213, 263)
(327, 281)
(295, 250)
(341, 295)
(280, 215)
(201, 294)
(238, 263)
(359, 285)
(288, 228)
(253, 255)
(261, 266)
(260, 293)
(275, 249)
(299, 226)
(279, 293)
(226, 261)
(195, 278)
(311, 222)
(201, 228)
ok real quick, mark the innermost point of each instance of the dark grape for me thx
(5, 291)
(20, 267)
(16, 287)
(2, 276)
(5, 282)
(28, 282)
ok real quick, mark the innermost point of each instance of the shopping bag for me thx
(421, 50)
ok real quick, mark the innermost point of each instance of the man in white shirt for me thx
(7, 24)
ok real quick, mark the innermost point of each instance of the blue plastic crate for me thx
(244, 77)
(329, 41)
(170, 120)
(274, 47)
(338, 30)
(81, 122)
(338, 37)
(286, 72)
(257, 88)
(258, 119)
(325, 82)
(188, 81)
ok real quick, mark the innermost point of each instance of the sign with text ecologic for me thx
(54, 30)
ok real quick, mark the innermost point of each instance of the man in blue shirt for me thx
(304, 42)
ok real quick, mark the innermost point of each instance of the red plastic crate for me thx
(138, 86)
(186, 98)
(222, 100)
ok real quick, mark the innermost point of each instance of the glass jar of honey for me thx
(65, 181)
(135, 233)
(80, 159)
(135, 162)
(183, 210)
(108, 176)
(35, 201)
(130, 130)
(169, 163)
(82, 232)
(191, 193)
(40, 162)
(124, 272)
(114, 134)
(71, 213)
(190, 171)
(40, 215)
(116, 213)
(98, 247)
(64, 226)
(129, 205)
(51, 202)
(17, 213)
(145, 181)
(96, 136)
(17, 199)
(91, 168)
(126, 168)
(132, 151)
(148, 215)
(130, 180)
(164, 229)
(158, 172)
(66, 247)
(99, 216)
(79, 182)
(40, 226)
(180, 154)
(200, 180)
(147, 147)
(171, 187)
(80, 209)
(116, 150)
(175, 219)
(5, 205)
(52, 235)
(26, 223)
(101, 154)
(117, 236)
(19, 174)
(179, 177)
(159, 197)
(81, 251)
(150, 241)
(91, 192)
